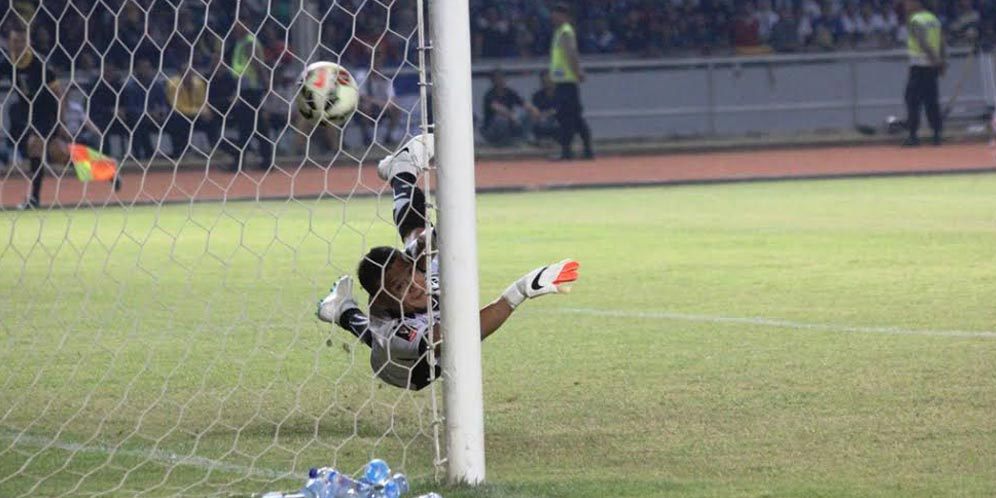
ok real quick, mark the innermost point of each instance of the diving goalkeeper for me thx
(403, 285)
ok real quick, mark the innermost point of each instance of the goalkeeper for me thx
(403, 285)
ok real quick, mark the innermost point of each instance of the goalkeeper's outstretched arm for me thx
(551, 279)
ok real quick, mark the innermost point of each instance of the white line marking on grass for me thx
(785, 324)
(19, 439)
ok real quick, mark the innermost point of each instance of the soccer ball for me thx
(328, 94)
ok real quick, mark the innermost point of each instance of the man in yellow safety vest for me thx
(566, 74)
(926, 49)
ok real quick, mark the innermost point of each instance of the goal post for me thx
(457, 216)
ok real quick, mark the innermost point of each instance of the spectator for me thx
(33, 118)
(187, 94)
(275, 49)
(131, 25)
(633, 34)
(41, 41)
(895, 31)
(870, 28)
(826, 29)
(805, 22)
(77, 124)
(745, 33)
(545, 125)
(407, 95)
(330, 48)
(494, 36)
(505, 118)
(376, 104)
(525, 40)
(104, 110)
(785, 32)
(766, 19)
(146, 108)
(699, 34)
(811, 8)
(277, 109)
(601, 39)
(849, 26)
(964, 29)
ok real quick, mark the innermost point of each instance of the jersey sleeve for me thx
(358, 324)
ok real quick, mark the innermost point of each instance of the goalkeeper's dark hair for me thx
(373, 266)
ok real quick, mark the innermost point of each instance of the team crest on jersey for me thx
(407, 334)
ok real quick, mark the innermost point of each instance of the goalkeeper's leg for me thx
(409, 206)
(401, 169)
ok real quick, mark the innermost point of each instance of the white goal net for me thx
(157, 329)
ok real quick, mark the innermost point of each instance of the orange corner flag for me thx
(91, 165)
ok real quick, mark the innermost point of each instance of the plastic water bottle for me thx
(317, 485)
(391, 489)
(340, 485)
(360, 489)
(402, 481)
(376, 472)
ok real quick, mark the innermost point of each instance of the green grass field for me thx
(833, 338)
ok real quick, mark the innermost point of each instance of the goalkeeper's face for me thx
(404, 286)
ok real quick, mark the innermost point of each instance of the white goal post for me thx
(457, 214)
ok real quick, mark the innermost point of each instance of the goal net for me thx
(157, 326)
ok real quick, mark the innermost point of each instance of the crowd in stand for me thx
(654, 28)
(130, 58)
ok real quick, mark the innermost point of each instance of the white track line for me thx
(19, 439)
(785, 324)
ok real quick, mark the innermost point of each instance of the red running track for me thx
(186, 185)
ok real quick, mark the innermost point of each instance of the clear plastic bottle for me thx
(402, 481)
(391, 489)
(376, 472)
(317, 485)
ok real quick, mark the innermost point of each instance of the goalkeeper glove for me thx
(555, 278)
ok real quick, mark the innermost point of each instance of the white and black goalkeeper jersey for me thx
(399, 345)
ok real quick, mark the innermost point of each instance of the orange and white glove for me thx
(550, 279)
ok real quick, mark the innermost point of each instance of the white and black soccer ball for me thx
(327, 94)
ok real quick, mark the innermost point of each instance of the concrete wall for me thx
(772, 96)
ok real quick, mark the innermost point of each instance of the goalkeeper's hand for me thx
(551, 279)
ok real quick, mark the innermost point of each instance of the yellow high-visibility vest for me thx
(560, 70)
(932, 27)
(242, 59)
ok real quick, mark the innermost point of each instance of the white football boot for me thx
(410, 158)
(339, 300)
